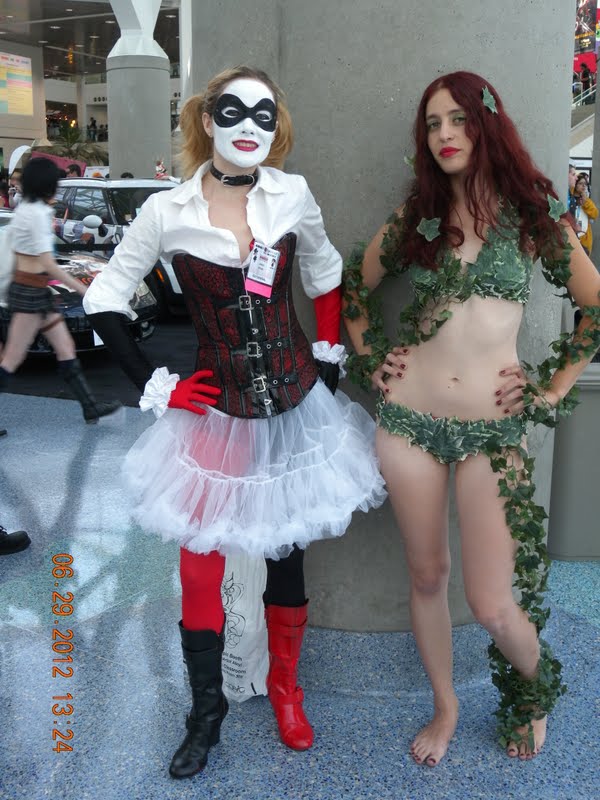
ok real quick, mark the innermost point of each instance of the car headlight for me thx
(143, 297)
(142, 290)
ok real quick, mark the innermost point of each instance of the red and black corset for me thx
(255, 346)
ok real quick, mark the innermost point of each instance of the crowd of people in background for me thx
(94, 132)
(581, 207)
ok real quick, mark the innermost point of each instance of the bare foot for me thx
(524, 750)
(431, 743)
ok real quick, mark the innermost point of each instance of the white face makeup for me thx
(245, 139)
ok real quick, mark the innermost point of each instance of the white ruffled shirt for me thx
(176, 221)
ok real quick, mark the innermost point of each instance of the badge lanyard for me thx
(259, 279)
(261, 270)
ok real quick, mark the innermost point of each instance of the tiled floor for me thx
(366, 694)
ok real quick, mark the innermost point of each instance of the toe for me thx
(431, 761)
(512, 750)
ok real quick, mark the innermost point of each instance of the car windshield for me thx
(128, 200)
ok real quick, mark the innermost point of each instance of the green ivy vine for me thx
(521, 700)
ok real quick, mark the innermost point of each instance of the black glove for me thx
(329, 374)
(114, 331)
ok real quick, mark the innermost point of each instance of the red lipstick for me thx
(446, 152)
(245, 144)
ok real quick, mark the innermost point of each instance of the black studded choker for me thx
(234, 180)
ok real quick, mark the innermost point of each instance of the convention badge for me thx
(261, 270)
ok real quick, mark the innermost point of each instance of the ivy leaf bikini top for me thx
(500, 270)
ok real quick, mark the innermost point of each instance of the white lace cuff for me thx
(158, 391)
(333, 354)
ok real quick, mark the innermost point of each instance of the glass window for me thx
(127, 201)
(89, 201)
(60, 205)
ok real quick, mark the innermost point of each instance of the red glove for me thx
(328, 311)
(190, 391)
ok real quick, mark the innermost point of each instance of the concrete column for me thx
(81, 107)
(137, 72)
(354, 72)
(215, 35)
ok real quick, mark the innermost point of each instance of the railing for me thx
(584, 98)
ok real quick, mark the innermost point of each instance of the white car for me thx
(117, 203)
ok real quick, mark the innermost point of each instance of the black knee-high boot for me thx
(72, 373)
(202, 651)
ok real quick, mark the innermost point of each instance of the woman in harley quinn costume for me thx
(253, 453)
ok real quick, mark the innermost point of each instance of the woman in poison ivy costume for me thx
(478, 216)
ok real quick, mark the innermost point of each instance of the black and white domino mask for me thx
(245, 119)
(230, 110)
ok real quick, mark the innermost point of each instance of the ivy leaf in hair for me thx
(410, 162)
(557, 207)
(489, 100)
(429, 228)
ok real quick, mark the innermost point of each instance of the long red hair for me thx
(499, 161)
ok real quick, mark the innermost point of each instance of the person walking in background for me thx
(586, 77)
(14, 188)
(477, 217)
(29, 298)
(571, 196)
(585, 213)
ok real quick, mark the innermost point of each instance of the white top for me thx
(32, 228)
(176, 221)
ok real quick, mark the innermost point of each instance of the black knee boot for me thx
(73, 375)
(202, 651)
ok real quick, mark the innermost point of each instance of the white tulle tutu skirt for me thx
(256, 486)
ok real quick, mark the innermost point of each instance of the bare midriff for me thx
(456, 372)
(31, 264)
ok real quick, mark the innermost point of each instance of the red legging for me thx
(202, 575)
(201, 578)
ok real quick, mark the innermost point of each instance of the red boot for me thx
(285, 627)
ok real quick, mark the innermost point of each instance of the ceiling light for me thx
(110, 21)
(170, 16)
(9, 16)
(68, 9)
(54, 27)
(2, 33)
(78, 45)
(42, 41)
(94, 36)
